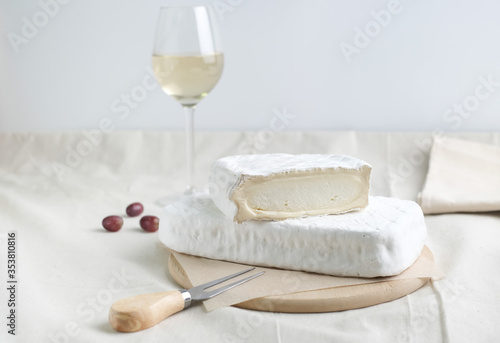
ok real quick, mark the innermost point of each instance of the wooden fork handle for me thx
(143, 311)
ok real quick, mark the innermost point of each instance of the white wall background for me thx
(279, 53)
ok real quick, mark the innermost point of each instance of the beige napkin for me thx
(463, 176)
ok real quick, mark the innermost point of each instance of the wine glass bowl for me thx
(188, 79)
(187, 63)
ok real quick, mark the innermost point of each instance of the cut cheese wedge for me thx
(384, 239)
(280, 186)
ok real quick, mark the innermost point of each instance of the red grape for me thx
(135, 209)
(150, 223)
(112, 223)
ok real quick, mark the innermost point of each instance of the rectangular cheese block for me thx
(383, 239)
(280, 186)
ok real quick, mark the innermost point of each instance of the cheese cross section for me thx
(382, 240)
(280, 186)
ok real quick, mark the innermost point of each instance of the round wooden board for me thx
(324, 300)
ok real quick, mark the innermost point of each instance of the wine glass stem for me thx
(189, 112)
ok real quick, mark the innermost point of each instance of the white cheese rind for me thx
(281, 186)
(382, 240)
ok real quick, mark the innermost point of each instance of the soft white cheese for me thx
(383, 239)
(280, 186)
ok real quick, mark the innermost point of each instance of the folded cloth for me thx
(463, 176)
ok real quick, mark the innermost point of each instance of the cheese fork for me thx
(143, 311)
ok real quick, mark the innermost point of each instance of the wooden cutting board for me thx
(324, 300)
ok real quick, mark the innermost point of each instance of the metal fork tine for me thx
(216, 282)
(217, 291)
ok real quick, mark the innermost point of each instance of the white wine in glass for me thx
(188, 79)
(188, 63)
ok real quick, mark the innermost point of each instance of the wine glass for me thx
(187, 63)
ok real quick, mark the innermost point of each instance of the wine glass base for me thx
(167, 200)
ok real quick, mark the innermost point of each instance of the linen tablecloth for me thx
(55, 188)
